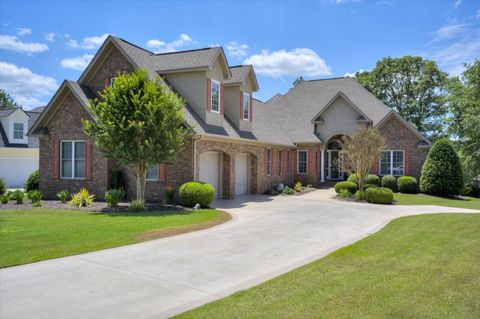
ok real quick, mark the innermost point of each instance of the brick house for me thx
(240, 145)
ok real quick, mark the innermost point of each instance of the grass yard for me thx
(32, 235)
(422, 199)
(425, 266)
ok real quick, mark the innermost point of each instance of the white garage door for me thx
(241, 174)
(15, 171)
(210, 170)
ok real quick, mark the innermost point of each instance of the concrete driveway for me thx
(159, 278)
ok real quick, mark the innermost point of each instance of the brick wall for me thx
(399, 137)
(66, 125)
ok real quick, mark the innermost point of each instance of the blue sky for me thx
(42, 43)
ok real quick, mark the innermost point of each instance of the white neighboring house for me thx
(19, 153)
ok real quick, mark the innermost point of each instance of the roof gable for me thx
(406, 124)
(240, 74)
(340, 95)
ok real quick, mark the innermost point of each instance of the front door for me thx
(334, 172)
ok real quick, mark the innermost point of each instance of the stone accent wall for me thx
(110, 67)
(66, 125)
(399, 137)
(259, 181)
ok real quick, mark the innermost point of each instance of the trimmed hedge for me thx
(388, 181)
(350, 186)
(407, 185)
(379, 195)
(369, 186)
(371, 179)
(442, 170)
(193, 193)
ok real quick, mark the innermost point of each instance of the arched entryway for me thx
(333, 167)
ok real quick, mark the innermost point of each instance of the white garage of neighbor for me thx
(210, 168)
(242, 163)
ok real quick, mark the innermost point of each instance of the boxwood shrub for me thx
(379, 195)
(192, 193)
(442, 170)
(388, 181)
(369, 185)
(408, 185)
(371, 179)
(350, 186)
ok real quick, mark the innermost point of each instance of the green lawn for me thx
(37, 234)
(425, 266)
(422, 199)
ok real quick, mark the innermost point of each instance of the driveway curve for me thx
(160, 278)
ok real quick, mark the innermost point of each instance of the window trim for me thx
(23, 131)
(269, 162)
(289, 162)
(390, 166)
(156, 179)
(72, 176)
(298, 162)
(248, 106)
(212, 81)
(280, 162)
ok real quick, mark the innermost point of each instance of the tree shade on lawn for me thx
(422, 266)
(37, 234)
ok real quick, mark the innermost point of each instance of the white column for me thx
(322, 167)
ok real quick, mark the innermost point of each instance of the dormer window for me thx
(18, 131)
(215, 96)
(246, 106)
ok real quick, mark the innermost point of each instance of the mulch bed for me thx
(96, 206)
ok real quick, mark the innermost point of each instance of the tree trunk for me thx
(139, 171)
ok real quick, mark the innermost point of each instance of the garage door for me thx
(15, 171)
(210, 170)
(241, 174)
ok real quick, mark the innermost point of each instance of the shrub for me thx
(170, 194)
(4, 198)
(344, 193)
(35, 196)
(360, 195)
(388, 181)
(350, 186)
(136, 205)
(407, 184)
(369, 185)
(288, 191)
(298, 186)
(472, 189)
(442, 170)
(32, 182)
(3, 186)
(193, 193)
(373, 179)
(62, 195)
(82, 198)
(18, 195)
(353, 179)
(379, 195)
(113, 196)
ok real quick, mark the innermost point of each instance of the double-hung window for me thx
(302, 162)
(392, 163)
(215, 102)
(73, 159)
(152, 173)
(269, 161)
(18, 131)
(246, 106)
(280, 162)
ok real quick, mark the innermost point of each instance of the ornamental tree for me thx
(138, 122)
(442, 170)
(360, 153)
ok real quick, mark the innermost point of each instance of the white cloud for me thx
(24, 31)
(352, 75)
(345, 1)
(297, 62)
(50, 37)
(448, 32)
(457, 3)
(455, 49)
(77, 63)
(160, 46)
(87, 42)
(12, 43)
(24, 86)
(237, 49)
